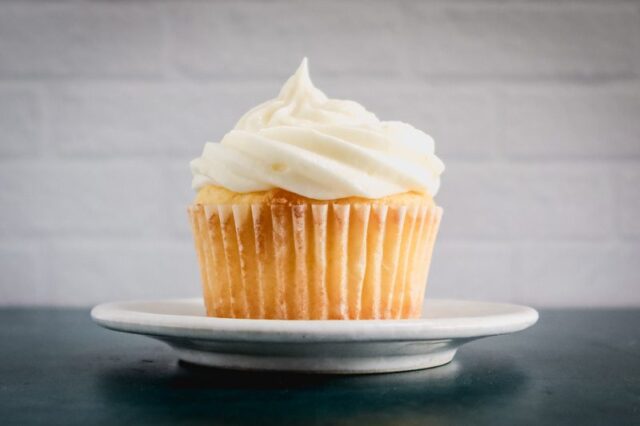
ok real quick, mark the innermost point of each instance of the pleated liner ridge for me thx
(314, 261)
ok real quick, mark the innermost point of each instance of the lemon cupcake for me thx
(312, 208)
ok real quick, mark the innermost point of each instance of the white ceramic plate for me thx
(346, 347)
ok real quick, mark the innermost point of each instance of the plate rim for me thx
(120, 316)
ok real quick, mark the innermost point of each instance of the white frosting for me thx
(319, 148)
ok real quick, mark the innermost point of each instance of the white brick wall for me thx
(535, 107)
(81, 197)
(593, 123)
(91, 39)
(134, 119)
(524, 40)
(21, 266)
(20, 122)
(240, 40)
(526, 201)
(82, 270)
(628, 201)
(572, 273)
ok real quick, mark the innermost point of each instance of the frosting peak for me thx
(300, 103)
(299, 85)
(319, 148)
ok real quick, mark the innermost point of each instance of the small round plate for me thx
(325, 346)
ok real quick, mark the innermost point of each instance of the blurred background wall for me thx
(534, 105)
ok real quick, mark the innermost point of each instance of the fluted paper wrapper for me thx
(314, 261)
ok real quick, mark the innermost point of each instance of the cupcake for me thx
(312, 208)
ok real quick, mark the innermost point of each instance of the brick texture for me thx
(21, 266)
(629, 202)
(537, 40)
(534, 108)
(526, 202)
(177, 187)
(573, 274)
(472, 271)
(122, 270)
(270, 39)
(92, 39)
(151, 119)
(20, 122)
(600, 123)
(75, 197)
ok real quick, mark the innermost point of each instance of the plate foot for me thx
(323, 365)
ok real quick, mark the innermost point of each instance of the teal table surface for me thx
(577, 367)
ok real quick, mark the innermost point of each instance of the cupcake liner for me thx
(314, 261)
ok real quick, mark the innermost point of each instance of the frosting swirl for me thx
(319, 148)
